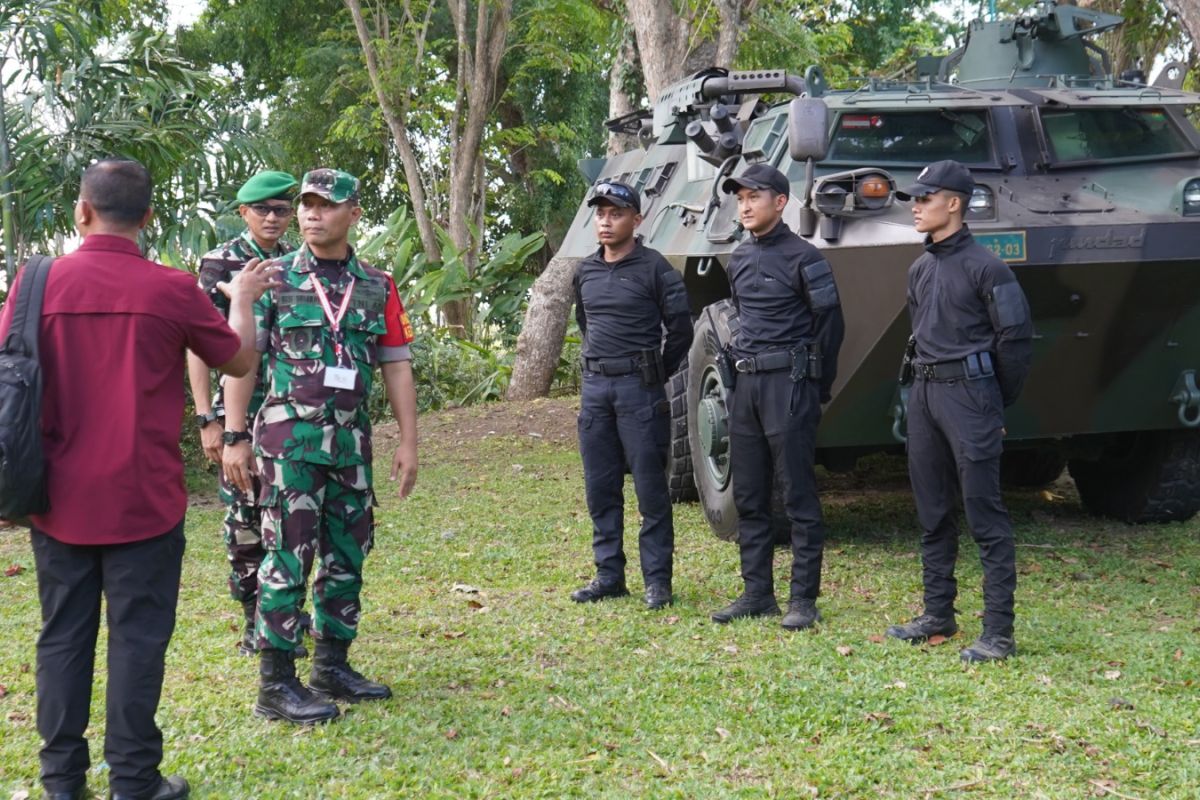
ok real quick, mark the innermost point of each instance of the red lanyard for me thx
(335, 321)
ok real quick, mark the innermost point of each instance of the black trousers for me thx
(772, 438)
(955, 437)
(622, 422)
(140, 582)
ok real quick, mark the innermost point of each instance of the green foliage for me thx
(555, 99)
(450, 372)
(78, 92)
(497, 288)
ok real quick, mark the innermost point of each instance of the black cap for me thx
(616, 194)
(940, 175)
(758, 176)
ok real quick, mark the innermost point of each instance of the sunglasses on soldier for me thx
(615, 190)
(281, 211)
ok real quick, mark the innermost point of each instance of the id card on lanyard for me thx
(342, 376)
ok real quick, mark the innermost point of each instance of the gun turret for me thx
(1045, 48)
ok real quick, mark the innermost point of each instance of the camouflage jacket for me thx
(221, 264)
(301, 418)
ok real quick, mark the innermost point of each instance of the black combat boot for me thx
(282, 696)
(334, 678)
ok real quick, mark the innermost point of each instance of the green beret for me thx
(332, 184)
(267, 186)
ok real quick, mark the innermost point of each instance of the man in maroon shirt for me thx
(113, 334)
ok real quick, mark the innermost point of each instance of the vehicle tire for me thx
(708, 420)
(681, 482)
(1031, 469)
(1149, 476)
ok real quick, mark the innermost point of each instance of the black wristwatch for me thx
(233, 437)
(203, 420)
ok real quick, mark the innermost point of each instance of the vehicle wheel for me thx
(1151, 476)
(680, 480)
(708, 420)
(1031, 469)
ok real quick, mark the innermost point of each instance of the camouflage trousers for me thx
(312, 512)
(243, 540)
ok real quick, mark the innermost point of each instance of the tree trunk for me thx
(1188, 12)
(540, 343)
(478, 74)
(663, 42)
(619, 101)
(731, 25)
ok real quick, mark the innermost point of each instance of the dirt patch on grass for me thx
(444, 433)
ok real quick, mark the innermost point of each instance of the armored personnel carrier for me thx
(1088, 186)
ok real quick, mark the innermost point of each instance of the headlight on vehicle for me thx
(872, 191)
(982, 204)
(1191, 198)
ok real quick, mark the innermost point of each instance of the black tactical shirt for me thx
(962, 300)
(624, 307)
(785, 295)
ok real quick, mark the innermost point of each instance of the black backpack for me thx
(22, 464)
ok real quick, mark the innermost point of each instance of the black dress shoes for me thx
(747, 605)
(802, 613)
(658, 595)
(919, 629)
(77, 794)
(596, 591)
(170, 788)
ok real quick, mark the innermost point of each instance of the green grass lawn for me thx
(517, 692)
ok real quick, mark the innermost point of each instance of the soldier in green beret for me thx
(266, 208)
(324, 330)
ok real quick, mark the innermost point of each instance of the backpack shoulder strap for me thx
(28, 312)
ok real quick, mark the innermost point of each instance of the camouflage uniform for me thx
(313, 444)
(243, 542)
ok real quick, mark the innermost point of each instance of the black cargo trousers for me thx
(624, 422)
(955, 437)
(772, 440)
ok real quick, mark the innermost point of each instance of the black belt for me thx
(766, 362)
(613, 367)
(972, 367)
